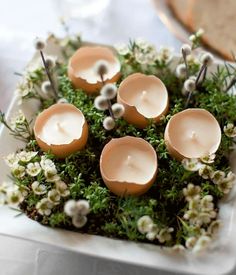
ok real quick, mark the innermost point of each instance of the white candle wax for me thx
(128, 165)
(62, 128)
(192, 133)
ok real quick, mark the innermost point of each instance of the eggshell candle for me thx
(192, 133)
(81, 68)
(61, 129)
(144, 97)
(128, 166)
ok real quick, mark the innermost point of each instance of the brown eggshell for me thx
(62, 150)
(131, 114)
(86, 57)
(170, 133)
(124, 188)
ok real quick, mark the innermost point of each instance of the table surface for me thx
(20, 22)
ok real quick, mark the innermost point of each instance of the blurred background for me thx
(103, 21)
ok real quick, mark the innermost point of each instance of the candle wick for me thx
(59, 127)
(144, 95)
(193, 135)
(129, 158)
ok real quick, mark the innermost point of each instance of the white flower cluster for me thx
(24, 164)
(224, 181)
(78, 211)
(144, 52)
(146, 226)
(23, 89)
(17, 120)
(11, 194)
(195, 37)
(54, 195)
(230, 130)
(201, 216)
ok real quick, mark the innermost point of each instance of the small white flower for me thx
(190, 242)
(191, 215)
(203, 218)
(225, 185)
(46, 87)
(200, 32)
(44, 207)
(192, 37)
(194, 203)
(214, 227)
(140, 57)
(207, 203)
(186, 49)
(208, 159)
(24, 190)
(207, 59)
(118, 110)
(62, 100)
(230, 130)
(202, 244)
(189, 85)
(109, 123)
(47, 164)
(231, 176)
(181, 71)
(101, 103)
(18, 171)
(38, 188)
(39, 44)
(18, 119)
(101, 67)
(122, 49)
(192, 60)
(54, 196)
(109, 91)
(14, 197)
(79, 221)
(142, 43)
(51, 174)
(191, 192)
(11, 160)
(22, 90)
(50, 61)
(165, 54)
(145, 224)
(62, 188)
(151, 236)
(178, 248)
(191, 164)
(205, 171)
(33, 169)
(25, 157)
(165, 234)
(83, 207)
(70, 208)
(217, 176)
(7, 185)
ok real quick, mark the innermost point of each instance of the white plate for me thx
(220, 259)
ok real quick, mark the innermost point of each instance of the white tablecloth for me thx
(20, 22)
